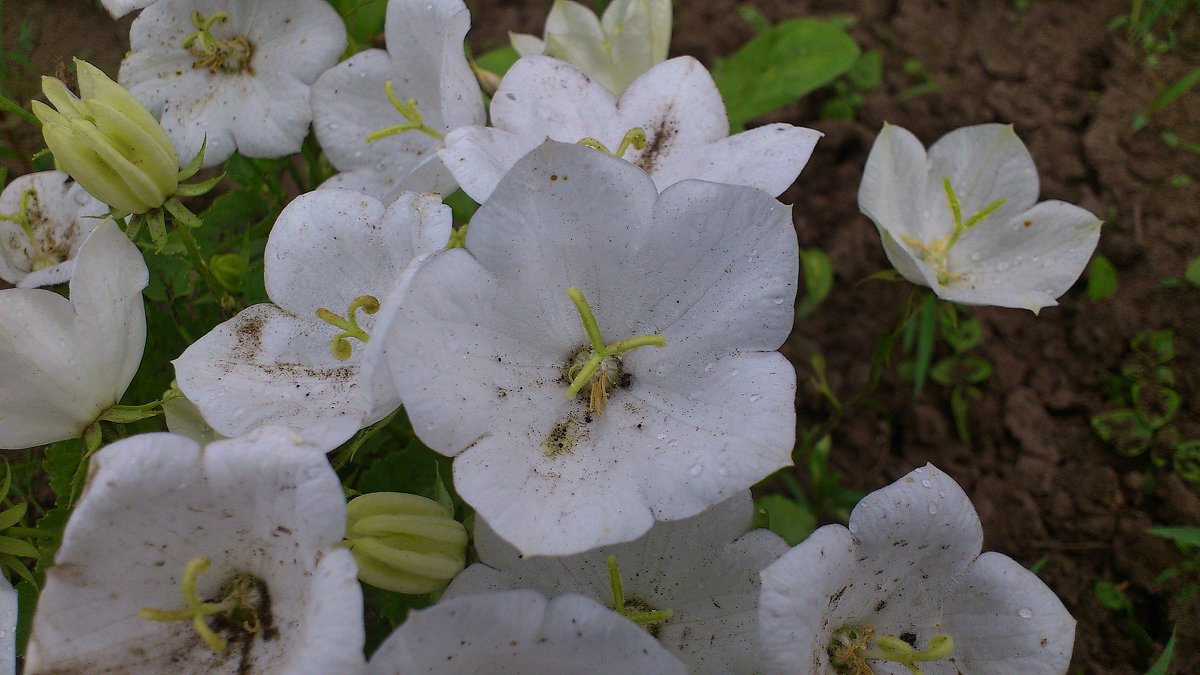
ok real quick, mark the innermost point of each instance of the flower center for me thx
(409, 110)
(637, 611)
(339, 344)
(635, 137)
(850, 647)
(935, 253)
(243, 606)
(598, 364)
(231, 56)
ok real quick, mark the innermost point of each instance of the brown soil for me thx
(1043, 483)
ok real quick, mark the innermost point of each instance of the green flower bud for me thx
(229, 268)
(404, 543)
(108, 141)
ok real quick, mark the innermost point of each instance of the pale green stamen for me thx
(410, 112)
(600, 351)
(196, 609)
(851, 647)
(937, 252)
(643, 619)
(21, 217)
(340, 344)
(215, 54)
(635, 137)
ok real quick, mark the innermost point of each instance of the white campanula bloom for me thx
(671, 122)
(119, 8)
(961, 219)
(308, 362)
(702, 571)
(905, 586)
(187, 559)
(632, 37)
(600, 357)
(44, 219)
(381, 115)
(66, 362)
(520, 632)
(236, 72)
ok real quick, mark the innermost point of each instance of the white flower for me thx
(671, 122)
(44, 218)
(66, 362)
(908, 573)
(8, 627)
(356, 116)
(489, 341)
(703, 569)
(631, 38)
(119, 8)
(962, 219)
(333, 261)
(235, 71)
(520, 632)
(266, 511)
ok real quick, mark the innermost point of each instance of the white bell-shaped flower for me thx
(692, 583)
(187, 559)
(632, 37)
(600, 357)
(905, 586)
(519, 632)
(65, 362)
(334, 261)
(381, 115)
(671, 122)
(962, 218)
(44, 219)
(119, 8)
(234, 72)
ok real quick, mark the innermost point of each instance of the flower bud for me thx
(229, 268)
(405, 543)
(108, 141)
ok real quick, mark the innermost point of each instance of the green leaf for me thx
(13, 515)
(1164, 660)
(1101, 279)
(781, 65)
(817, 270)
(787, 519)
(1187, 460)
(62, 459)
(867, 71)
(461, 206)
(385, 611)
(1181, 534)
(17, 547)
(364, 18)
(960, 330)
(1124, 431)
(1157, 345)
(961, 370)
(498, 61)
(1193, 273)
(1166, 96)
(755, 18)
(1155, 405)
(926, 319)
(1110, 596)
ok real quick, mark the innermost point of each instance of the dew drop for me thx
(1025, 613)
(662, 437)
(708, 368)
(733, 372)
(754, 397)
(976, 257)
(1001, 267)
(779, 301)
(357, 154)
(853, 528)
(673, 443)
(925, 482)
(933, 509)
(697, 469)
(918, 470)
(332, 126)
(722, 471)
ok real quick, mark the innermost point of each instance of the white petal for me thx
(119, 8)
(1005, 620)
(984, 163)
(768, 158)
(61, 214)
(520, 632)
(8, 627)
(678, 104)
(1027, 262)
(527, 45)
(265, 505)
(893, 183)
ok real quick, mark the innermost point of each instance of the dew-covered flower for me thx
(381, 116)
(44, 219)
(108, 141)
(671, 122)
(520, 632)
(905, 586)
(308, 361)
(600, 357)
(182, 558)
(631, 37)
(236, 72)
(962, 218)
(693, 583)
(66, 362)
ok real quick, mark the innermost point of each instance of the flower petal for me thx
(984, 163)
(895, 175)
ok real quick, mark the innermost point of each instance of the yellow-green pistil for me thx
(936, 252)
(600, 363)
(41, 255)
(240, 605)
(408, 109)
(231, 56)
(850, 647)
(340, 344)
(646, 619)
(635, 138)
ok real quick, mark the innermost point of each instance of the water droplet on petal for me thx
(708, 368)
(976, 257)
(662, 437)
(933, 509)
(779, 301)
(853, 528)
(1025, 613)
(1001, 267)
(918, 470)
(722, 471)
(925, 482)
(697, 469)
(754, 397)
(673, 443)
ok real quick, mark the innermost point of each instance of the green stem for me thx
(198, 262)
